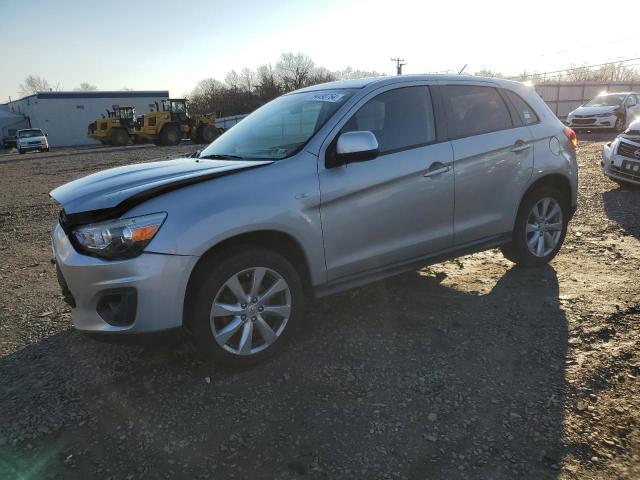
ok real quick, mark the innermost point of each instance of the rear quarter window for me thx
(527, 114)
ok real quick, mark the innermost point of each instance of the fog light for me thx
(118, 307)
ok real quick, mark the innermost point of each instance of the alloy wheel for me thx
(544, 227)
(250, 311)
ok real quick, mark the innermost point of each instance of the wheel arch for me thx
(274, 240)
(557, 180)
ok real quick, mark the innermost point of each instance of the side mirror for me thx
(354, 147)
(46, 134)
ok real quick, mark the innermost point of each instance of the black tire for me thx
(21, 151)
(209, 282)
(518, 250)
(620, 124)
(170, 135)
(119, 137)
(206, 134)
(46, 150)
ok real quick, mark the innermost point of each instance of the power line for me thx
(544, 74)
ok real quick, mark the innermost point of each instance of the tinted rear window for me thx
(473, 110)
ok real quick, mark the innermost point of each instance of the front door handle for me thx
(436, 168)
(520, 146)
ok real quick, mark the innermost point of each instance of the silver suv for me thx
(321, 190)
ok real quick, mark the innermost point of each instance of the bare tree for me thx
(294, 70)
(247, 80)
(349, 73)
(34, 84)
(320, 75)
(232, 80)
(85, 87)
(245, 91)
(267, 86)
(486, 72)
(206, 96)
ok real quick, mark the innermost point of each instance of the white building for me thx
(65, 116)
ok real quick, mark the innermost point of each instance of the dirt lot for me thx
(468, 369)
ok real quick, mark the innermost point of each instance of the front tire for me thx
(245, 306)
(620, 124)
(119, 137)
(21, 151)
(540, 229)
(170, 135)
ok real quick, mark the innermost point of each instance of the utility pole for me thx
(399, 65)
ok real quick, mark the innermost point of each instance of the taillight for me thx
(571, 135)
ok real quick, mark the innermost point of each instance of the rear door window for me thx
(400, 119)
(527, 114)
(474, 110)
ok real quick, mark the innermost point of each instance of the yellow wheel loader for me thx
(171, 123)
(116, 128)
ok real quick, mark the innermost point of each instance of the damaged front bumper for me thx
(621, 159)
(139, 295)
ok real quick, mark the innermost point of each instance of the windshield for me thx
(605, 101)
(126, 113)
(280, 128)
(30, 133)
(176, 106)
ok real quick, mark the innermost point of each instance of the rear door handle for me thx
(436, 168)
(520, 146)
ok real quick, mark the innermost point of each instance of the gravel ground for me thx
(466, 369)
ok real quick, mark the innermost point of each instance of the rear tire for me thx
(170, 135)
(21, 151)
(206, 134)
(119, 137)
(538, 233)
(245, 319)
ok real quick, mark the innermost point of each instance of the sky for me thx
(171, 45)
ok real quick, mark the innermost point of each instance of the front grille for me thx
(584, 121)
(34, 142)
(628, 150)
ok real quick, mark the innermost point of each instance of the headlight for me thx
(119, 239)
(608, 114)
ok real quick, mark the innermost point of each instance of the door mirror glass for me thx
(356, 147)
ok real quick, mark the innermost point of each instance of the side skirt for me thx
(374, 275)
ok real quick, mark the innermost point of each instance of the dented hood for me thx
(122, 187)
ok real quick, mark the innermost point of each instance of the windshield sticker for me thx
(328, 97)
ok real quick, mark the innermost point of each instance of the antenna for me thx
(399, 65)
(462, 69)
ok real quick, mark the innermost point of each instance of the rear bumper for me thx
(151, 286)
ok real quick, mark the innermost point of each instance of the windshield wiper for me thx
(217, 156)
